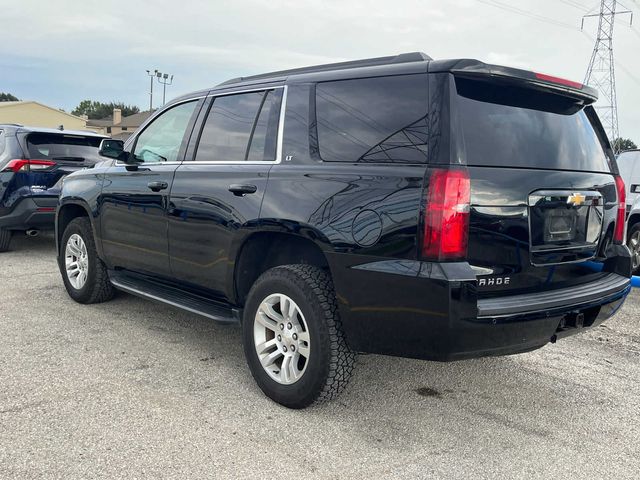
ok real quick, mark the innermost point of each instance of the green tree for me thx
(97, 110)
(7, 97)
(622, 144)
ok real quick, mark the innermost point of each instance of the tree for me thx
(97, 110)
(7, 97)
(622, 144)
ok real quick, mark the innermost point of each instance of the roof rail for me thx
(368, 62)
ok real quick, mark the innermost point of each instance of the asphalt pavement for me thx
(135, 389)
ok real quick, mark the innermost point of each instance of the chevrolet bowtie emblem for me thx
(576, 199)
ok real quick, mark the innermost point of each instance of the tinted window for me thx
(161, 139)
(263, 141)
(502, 134)
(240, 127)
(380, 119)
(62, 146)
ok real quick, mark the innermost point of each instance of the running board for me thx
(140, 286)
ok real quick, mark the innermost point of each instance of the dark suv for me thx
(430, 209)
(33, 162)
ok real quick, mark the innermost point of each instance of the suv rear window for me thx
(62, 146)
(499, 133)
(381, 119)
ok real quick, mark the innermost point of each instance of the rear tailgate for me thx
(543, 191)
(59, 154)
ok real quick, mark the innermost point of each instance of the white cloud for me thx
(62, 51)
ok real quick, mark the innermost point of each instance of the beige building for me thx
(118, 126)
(35, 114)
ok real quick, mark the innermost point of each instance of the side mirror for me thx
(111, 148)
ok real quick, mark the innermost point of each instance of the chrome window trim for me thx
(279, 136)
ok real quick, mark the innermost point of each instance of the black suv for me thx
(33, 162)
(406, 206)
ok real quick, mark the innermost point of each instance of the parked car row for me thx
(629, 165)
(33, 162)
(400, 205)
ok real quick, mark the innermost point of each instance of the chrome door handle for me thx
(242, 190)
(157, 186)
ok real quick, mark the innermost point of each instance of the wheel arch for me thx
(261, 251)
(69, 210)
(633, 219)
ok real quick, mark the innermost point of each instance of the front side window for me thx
(160, 141)
(380, 119)
(240, 127)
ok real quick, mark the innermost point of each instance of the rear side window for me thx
(500, 130)
(241, 127)
(2, 140)
(55, 146)
(382, 119)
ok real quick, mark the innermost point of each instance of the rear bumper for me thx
(31, 212)
(432, 311)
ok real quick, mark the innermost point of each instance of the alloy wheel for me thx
(634, 246)
(281, 339)
(76, 261)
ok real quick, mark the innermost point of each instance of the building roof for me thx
(27, 128)
(103, 122)
(133, 121)
(136, 119)
(26, 102)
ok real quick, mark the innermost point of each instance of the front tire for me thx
(293, 339)
(5, 239)
(85, 276)
(633, 242)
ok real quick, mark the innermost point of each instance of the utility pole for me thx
(165, 80)
(151, 74)
(600, 73)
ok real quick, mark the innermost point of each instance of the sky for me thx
(61, 52)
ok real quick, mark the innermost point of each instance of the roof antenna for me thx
(60, 127)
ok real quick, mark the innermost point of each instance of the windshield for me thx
(62, 147)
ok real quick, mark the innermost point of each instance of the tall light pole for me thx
(165, 80)
(151, 75)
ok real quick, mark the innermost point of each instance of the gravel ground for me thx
(134, 389)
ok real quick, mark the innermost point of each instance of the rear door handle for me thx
(242, 190)
(157, 186)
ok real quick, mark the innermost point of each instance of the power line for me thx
(528, 14)
(574, 4)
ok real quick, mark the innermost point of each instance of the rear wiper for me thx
(75, 159)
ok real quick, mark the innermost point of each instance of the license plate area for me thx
(564, 226)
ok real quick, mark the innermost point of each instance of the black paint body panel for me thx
(366, 220)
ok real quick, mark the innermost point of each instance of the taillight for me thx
(446, 217)
(560, 81)
(22, 165)
(618, 233)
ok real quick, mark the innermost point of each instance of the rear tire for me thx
(633, 242)
(310, 326)
(5, 239)
(85, 276)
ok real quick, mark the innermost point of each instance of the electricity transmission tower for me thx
(600, 73)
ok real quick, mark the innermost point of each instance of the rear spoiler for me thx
(474, 69)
